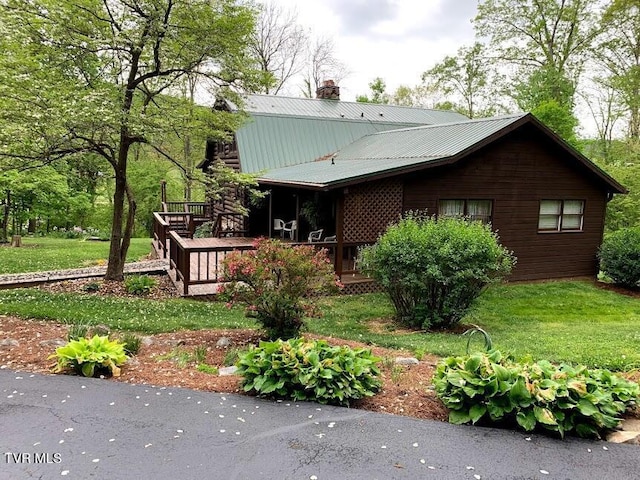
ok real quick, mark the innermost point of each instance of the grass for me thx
(133, 314)
(569, 321)
(45, 253)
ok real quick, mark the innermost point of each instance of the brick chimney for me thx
(328, 90)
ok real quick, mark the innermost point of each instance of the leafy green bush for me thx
(310, 370)
(89, 356)
(620, 257)
(206, 368)
(277, 284)
(204, 230)
(76, 331)
(433, 270)
(132, 343)
(139, 284)
(563, 399)
(91, 287)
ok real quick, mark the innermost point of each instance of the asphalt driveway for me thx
(74, 427)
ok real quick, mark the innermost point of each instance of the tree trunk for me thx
(4, 221)
(120, 239)
(16, 241)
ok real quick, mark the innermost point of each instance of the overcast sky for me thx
(393, 39)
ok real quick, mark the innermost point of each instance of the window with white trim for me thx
(561, 216)
(480, 210)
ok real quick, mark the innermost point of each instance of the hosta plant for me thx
(139, 284)
(564, 399)
(300, 369)
(90, 356)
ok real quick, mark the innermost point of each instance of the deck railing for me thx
(198, 264)
(199, 261)
(195, 264)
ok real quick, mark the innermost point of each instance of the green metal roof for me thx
(390, 151)
(286, 131)
(338, 109)
(269, 142)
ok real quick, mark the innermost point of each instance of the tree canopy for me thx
(98, 77)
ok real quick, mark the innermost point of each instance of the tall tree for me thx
(463, 80)
(545, 42)
(549, 96)
(279, 45)
(602, 102)
(619, 53)
(322, 64)
(378, 92)
(550, 34)
(95, 76)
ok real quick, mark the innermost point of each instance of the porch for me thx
(195, 264)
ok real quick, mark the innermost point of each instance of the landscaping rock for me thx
(100, 330)
(623, 436)
(53, 342)
(226, 371)
(407, 361)
(146, 341)
(630, 424)
(9, 342)
(223, 342)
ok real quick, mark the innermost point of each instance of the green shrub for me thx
(204, 230)
(132, 343)
(76, 331)
(277, 283)
(309, 370)
(89, 356)
(231, 356)
(620, 257)
(563, 399)
(433, 270)
(91, 287)
(205, 368)
(139, 284)
(200, 353)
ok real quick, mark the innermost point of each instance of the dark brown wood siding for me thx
(517, 172)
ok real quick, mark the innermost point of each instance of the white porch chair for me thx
(278, 225)
(290, 228)
(315, 235)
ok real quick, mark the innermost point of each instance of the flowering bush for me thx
(277, 283)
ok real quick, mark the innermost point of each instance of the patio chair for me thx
(278, 224)
(290, 228)
(331, 238)
(315, 235)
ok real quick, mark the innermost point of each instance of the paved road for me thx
(91, 428)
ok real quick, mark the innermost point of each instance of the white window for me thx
(561, 216)
(472, 209)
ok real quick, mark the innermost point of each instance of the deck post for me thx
(339, 235)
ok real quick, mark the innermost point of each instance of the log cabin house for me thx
(338, 173)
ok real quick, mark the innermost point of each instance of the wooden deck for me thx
(196, 265)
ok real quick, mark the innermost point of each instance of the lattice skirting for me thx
(358, 288)
(370, 208)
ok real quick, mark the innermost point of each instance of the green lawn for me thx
(44, 253)
(561, 321)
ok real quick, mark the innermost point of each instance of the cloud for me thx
(448, 21)
(362, 17)
(404, 19)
